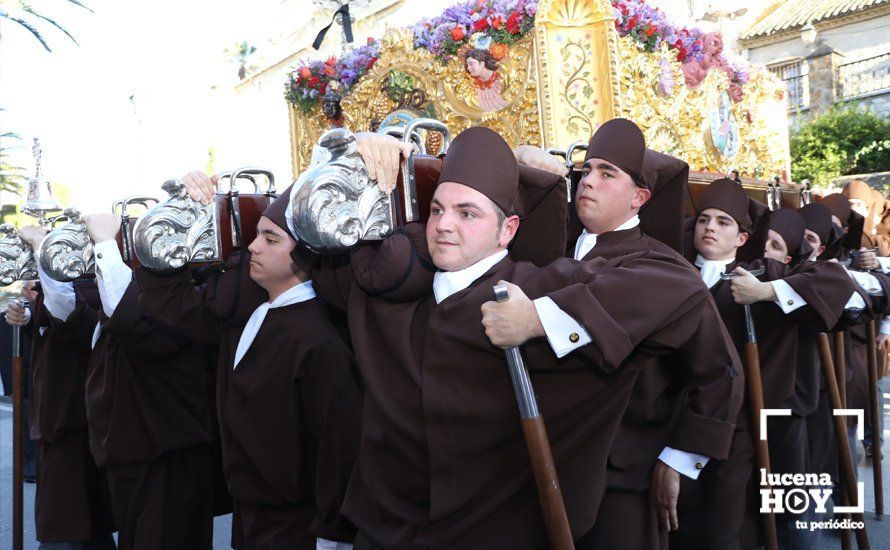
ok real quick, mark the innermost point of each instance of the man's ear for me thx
(743, 238)
(508, 230)
(640, 197)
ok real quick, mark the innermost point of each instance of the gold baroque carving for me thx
(448, 87)
(573, 13)
(679, 123)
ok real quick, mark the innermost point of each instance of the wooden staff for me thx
(539, 452)
(18, 433)
(755, 395)
(875, 415)
(840, 428)
(840, 366)
(840, 370)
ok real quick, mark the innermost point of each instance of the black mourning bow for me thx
(347, 26)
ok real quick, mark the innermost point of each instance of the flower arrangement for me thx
(697, 51)
(483, 24)
(495, 25)
(311, 80)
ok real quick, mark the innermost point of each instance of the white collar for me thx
(300, 292)
(446, 283)
(295, 294)
(711, 269)
(587, 240)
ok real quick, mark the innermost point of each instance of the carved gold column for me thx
(575, 51)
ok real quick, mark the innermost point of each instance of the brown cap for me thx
(818, 220)
(838, 205)
(661, 217)
(727, 196)
(543, 205)
(620, 142)
(276, 211)
(859, 190)
(790, 225)
(480, 159)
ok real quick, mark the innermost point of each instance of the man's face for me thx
(717, 235)
(607, 196)
(776, 248)
(463, 227)
(270, 261)
(815, 242)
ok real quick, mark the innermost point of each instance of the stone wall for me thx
(878, 180)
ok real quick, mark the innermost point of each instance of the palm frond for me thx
(75, 2)
(51, 22)
(30, 28)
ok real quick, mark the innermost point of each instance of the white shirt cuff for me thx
(564, 334)
(325, 544)
(58, 297)
(688, 464)
(786, 297)
(867, 281)
(884, 262)
(885, 325)
(112, 275)
(855, 302)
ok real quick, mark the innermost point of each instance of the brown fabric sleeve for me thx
(136, 331)
(332, 402)
(628, 301)
(714, 384)
(175, 301)
(398, 269)
(825, 286)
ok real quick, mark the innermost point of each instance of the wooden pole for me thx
(875, 415)
(840, 366)
(840, 427)
(761, 447)
(18, 409)
(538, 444)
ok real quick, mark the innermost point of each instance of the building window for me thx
(796, 76)
(864, 77)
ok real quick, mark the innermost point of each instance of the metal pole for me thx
(538, 445)
(18, 432)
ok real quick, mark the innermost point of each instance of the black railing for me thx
(865, 76)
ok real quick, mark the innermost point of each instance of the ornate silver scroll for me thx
(67, 252)
(177, 231)
(16, 257)
(334, 204)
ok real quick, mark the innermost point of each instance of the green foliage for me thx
(12, 177)
(841, 141)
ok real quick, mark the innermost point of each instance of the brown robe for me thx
(149, 424)
(712, 514)
(687, 400)
(443, 462)
(71, 503)
(290, 413)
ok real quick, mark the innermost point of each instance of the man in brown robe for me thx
(147, 411)
(71, 508)
(684, 404)
(287, 393)
(729, 234)
(443, 463)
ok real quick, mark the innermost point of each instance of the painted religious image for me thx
(724, 128)
(481, 63)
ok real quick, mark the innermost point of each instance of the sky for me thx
(133, 104)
